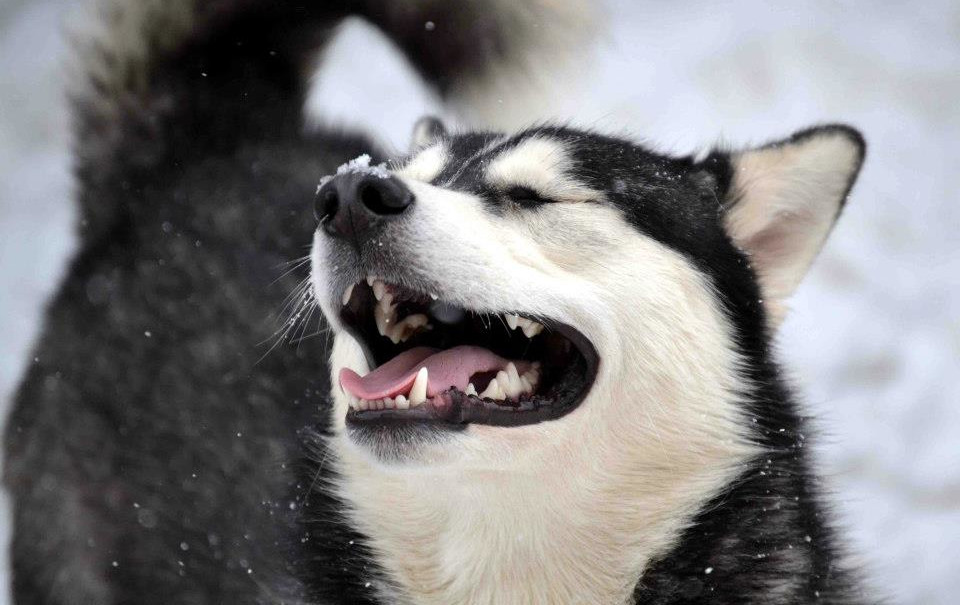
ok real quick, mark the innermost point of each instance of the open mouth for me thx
(435, 362)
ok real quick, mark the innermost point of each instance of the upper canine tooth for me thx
(418, 392)
(370, 280)
(378, 289)
(512, 321)
(347, 294)
(385, 314)
(409, 326)
(532, 328)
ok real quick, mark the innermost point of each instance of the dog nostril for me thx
(326, 204)
(372, 198)
(384, 197)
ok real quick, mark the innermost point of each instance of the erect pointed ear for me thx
(782, 201)
(426, 131)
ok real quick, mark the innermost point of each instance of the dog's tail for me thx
(157, 81)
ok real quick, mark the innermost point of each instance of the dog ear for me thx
(426, 131)
(782, 201)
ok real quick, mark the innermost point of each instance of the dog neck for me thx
(572, 528)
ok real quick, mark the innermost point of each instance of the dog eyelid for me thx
(525, 196)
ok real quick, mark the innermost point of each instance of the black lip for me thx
(461, 409)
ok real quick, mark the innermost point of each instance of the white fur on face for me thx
(426, 165)
(543, 165)
(570, 510)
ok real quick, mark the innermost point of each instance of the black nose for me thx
(358, 204)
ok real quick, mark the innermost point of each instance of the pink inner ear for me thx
(782, 250)
(788, 197)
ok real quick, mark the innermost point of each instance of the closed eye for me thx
(525, 197)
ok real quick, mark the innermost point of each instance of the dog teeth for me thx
(370, 280)
(385, 315)
(418, 392)
(530, 328)
(509, 384)
(493, 390)
(408, 327)
(516, 387)
(347, 294)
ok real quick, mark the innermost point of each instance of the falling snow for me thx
(872, 338)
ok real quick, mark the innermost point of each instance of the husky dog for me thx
(153, 450)
(553, 371)
(552, 376)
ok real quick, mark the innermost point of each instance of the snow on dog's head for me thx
(499, 299)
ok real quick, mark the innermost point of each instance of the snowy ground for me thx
(874, 338)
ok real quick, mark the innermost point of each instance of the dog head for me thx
(500, 299)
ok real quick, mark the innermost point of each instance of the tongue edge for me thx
(445, 369)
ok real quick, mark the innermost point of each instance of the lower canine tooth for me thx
(508, 386)
(418, 392)
(471, 390)
(347, 294)
(493, 391)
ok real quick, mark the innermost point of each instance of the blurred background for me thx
(873, 341)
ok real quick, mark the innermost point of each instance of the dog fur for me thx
(156, 454)
(682, 476)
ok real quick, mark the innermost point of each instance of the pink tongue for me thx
(445, 369)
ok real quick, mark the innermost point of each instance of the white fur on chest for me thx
(572, 531)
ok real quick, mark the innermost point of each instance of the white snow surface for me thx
(873, 341)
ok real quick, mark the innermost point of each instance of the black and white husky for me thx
(552, 378)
